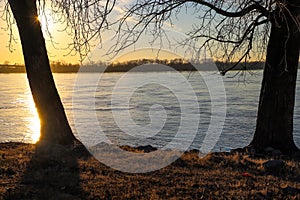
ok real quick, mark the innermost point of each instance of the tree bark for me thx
(54, 124)
(274, 126)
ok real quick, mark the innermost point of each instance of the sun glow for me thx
(45, 20)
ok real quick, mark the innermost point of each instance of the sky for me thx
(56, 48)
(57, 44)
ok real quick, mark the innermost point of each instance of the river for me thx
(162, 106)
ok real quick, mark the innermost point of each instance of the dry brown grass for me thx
(28, 172)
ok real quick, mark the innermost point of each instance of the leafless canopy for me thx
(84, 20)
(231, 28)
(236, 30)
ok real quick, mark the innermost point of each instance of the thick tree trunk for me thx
(274, 126)
(54, 124)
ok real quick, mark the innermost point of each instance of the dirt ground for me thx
(29, 171)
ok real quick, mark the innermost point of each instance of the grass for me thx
(29, 171)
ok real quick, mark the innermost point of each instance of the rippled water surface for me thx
(151, 114)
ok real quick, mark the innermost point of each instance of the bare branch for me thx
(253, 7)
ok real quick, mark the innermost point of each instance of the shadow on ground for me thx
(29, 171)
(52, 173)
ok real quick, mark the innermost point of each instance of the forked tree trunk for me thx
(274, 126)
(54, 124)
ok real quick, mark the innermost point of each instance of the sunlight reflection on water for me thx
(34, 121)
(30, 117)
(18, 115)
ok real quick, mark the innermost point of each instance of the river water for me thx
(156, 108)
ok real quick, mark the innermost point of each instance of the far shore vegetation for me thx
(151, 65)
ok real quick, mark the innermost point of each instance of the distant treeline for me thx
(56, 67)
(149, 65)
(181, 65)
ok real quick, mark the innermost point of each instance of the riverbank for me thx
(29, 171)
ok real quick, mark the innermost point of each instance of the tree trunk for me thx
(274, 126)
(54, 124)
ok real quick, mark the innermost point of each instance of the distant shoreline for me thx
(149, 66)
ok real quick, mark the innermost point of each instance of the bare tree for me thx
(54, 124)
(83, 20)
(236, 31)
